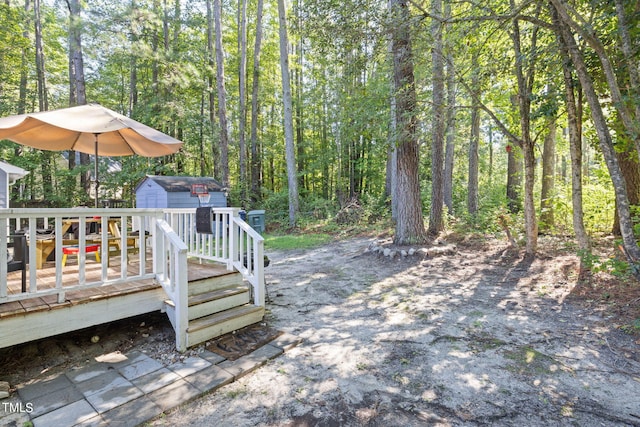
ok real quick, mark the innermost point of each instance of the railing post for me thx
(158, 255)
(233, 237)
(182, 303)
(258, 269)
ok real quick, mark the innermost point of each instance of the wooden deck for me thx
(46, 280)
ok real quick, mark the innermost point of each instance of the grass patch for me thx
(529, 361)
(296, 241)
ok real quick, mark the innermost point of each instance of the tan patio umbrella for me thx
(90, 129)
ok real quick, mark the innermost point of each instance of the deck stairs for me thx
(218, 304)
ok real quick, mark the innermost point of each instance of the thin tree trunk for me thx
(133, 72)
(76, 67)
(474, 142)
(215, 148)
(22, 99)
(242, 86)
(436, 221)
(43, 102)
(525, 87)
(256, 158)
(604, 137)
(222, 95)
(547, 219)
(450, 125)
(409, 223)
(288, 115)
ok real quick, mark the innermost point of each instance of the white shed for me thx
(9, 174)
(178, 192)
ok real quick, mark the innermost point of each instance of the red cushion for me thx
(75, 249)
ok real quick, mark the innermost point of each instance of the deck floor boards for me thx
(46, 278)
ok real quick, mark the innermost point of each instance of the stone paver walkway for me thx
(128, 389)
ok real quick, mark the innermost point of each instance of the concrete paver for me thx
(189, 366)
(128, 389)
(155, 380)
(68, 415)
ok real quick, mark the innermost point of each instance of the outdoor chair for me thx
(75, 250)
(18, 262)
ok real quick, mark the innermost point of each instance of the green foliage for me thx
(312, 209)
(632, 328)
(612, 264)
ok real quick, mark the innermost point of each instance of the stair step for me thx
(216, 301)
(215, 283)
(217, 294)
(215, 325)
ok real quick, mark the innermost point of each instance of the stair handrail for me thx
(170, 265)
(229, 240)
(247, 256)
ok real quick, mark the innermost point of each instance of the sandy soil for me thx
(478, 337)
(473, 337)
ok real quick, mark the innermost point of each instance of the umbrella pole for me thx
(96, 168)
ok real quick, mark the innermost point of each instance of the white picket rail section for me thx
(170, 265)
(126, 221)
(173, 237)
(232, 241)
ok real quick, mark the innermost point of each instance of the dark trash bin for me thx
(256, 220)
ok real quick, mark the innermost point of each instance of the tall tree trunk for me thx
(215, 147)
(436, 221)
(133, 72)
(242, 88)
(604, 137)
(256, 158)
(288, 115)
(474, 143)
(76, 67)
(409, 223)
(574, 122)
(222, 95)
(450, 124)
(43, 102)
(24, 65)
(525, 87)
(547, 220)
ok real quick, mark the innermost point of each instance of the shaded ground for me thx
(477, 337)
(474, 338)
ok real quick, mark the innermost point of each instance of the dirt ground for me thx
(473, 337)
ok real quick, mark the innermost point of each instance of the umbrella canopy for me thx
(90, 129)
(76, 128)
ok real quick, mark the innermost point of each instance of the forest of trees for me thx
(521, 112)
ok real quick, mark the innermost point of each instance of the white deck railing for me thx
(160, 240)
(231, 241)
(49, 230)
(170, 264)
